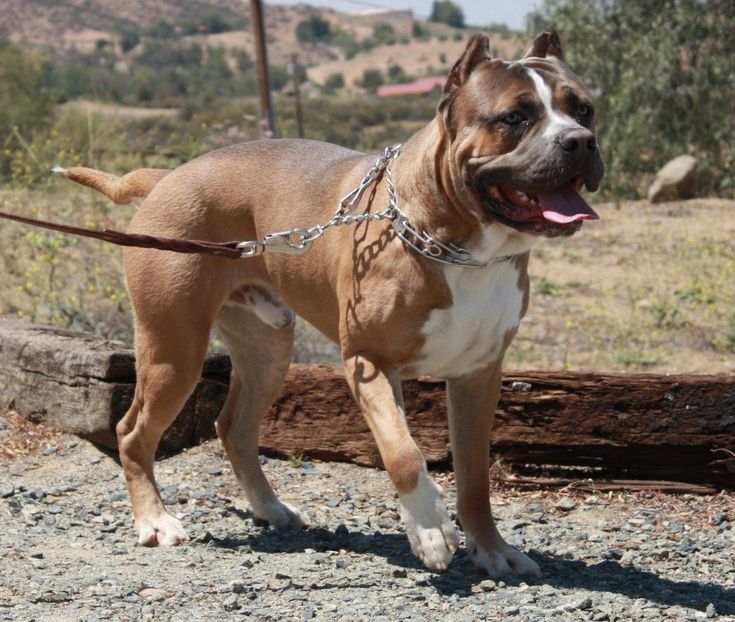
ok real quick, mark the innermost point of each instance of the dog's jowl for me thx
(439, 290)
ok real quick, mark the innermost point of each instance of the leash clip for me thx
(293, 242)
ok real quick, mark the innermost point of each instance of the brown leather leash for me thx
(229, 250)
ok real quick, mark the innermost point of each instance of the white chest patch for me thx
(469, 334)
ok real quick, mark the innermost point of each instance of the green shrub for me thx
(371, 79)
(447, 12)
(314, 29)
(664, 79)
(24, 105)
(333, 83)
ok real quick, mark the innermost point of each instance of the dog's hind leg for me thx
(169, 364)
(258, 328)
(175, 299)
(122, 190)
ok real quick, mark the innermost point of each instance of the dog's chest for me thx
(470, 334)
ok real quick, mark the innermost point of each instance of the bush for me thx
(129, 38)
(24, 105)
(312, 30)
(384, 34)
(664, 79)
(446, 12)
(333, 83)
(371, 80)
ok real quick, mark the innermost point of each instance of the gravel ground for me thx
(67, 549)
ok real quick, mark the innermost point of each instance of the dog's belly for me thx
(474, 330)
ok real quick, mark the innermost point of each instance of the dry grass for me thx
(19, 437)
(647, 288)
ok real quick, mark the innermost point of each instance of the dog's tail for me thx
(121, 190)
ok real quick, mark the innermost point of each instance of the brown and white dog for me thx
(499, 166)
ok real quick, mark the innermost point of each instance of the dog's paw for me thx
(163, 529)
(282, 516)
(502, 560)
(432, 535)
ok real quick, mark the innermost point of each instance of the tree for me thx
(372, 79)
(333, 83)
(24, 104)
(664, 79)
(312, 30)
(446, 12)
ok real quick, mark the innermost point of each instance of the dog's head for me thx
(521, 138)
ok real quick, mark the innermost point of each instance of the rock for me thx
(566, 504)
(676, 180)
(519, 386)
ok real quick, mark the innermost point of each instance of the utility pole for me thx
(296, 73)
(267, 121)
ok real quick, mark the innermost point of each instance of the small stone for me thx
(710, 611)
(213, 470)
(488, 585)
(399, 573)
(566, 504)
(230, 603)
(585, 603)
(152, 594)
(520, 387)
(612, 554)
(49, 451)
(7, 490)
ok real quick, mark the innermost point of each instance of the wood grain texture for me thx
(645, 426)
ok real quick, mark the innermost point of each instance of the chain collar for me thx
(298, 240)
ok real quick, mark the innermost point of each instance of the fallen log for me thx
(637, 426)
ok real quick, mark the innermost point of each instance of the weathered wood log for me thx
(643, 426)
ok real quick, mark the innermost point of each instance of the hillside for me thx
(68, 28)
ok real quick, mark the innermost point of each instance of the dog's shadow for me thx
(606, 576)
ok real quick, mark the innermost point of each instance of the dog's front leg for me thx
(472, 402)
(377, 389)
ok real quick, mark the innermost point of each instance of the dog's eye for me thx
(513, 118)
(583, 111)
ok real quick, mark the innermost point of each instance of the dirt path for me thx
(67, 548)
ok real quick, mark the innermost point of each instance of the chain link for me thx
(298, 240)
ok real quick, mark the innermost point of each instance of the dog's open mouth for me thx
(554, 212)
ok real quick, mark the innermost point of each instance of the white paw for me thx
(282, 515)
(502, 560)
(433, 537)
(163, 529)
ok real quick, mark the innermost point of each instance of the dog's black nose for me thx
(578, 140)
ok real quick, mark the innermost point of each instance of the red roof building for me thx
(422, 86)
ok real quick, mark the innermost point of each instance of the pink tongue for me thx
(565, 205)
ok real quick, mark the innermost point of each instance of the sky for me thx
(477, 12)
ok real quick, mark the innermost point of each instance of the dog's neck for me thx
(435, 199)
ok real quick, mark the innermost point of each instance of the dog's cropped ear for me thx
(546, 44)
(477, 51)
